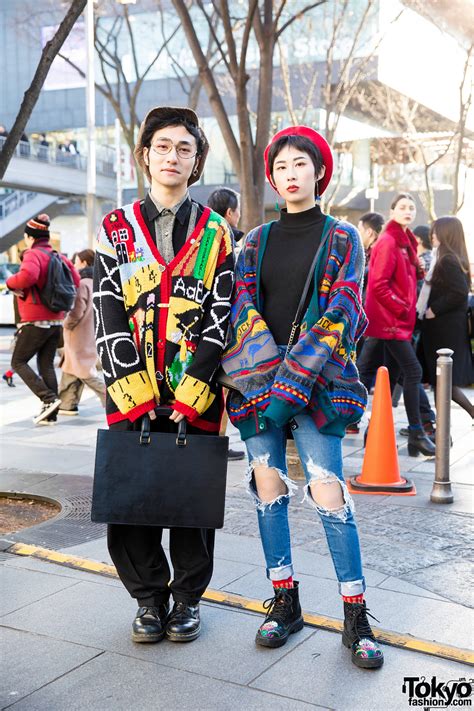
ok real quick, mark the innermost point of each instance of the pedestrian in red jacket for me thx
(390, 306)
(40, 328)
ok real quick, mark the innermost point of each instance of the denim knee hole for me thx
(262, 461)
(319, 474)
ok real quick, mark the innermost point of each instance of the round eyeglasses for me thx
(166, 145)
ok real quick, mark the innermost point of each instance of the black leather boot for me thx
(184, 623)
(359, 638)
(419, 443)
(149, 624)
(283, 617)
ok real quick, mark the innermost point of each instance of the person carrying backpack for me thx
(45, 286)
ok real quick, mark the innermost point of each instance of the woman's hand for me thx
(429, 313)
(152, 413)
(176, 416)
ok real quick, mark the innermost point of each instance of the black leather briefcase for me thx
(160, 479)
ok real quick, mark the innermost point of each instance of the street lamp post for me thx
(91, 201)
(90, 117)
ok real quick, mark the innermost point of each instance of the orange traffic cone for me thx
(380, 471)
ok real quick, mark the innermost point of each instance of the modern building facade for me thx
(410, 58)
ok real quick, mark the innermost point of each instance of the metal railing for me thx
(14, 200)
(36, 151)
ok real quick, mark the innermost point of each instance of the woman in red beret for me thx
(295, 321)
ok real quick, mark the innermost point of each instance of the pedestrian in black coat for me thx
(442, 307)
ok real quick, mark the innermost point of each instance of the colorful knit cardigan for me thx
(161, 328)
(319, 373)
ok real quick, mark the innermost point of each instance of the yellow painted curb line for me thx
(394, 639)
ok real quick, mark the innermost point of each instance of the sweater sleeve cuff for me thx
(131, 392)
(281, 412)
(141, 410)
(194, 393)
(189, 412)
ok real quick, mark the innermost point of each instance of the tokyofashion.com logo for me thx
(431, 693)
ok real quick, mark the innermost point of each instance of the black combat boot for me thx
(283, 617)
(149, 623)
(358, 636)
(184, 623)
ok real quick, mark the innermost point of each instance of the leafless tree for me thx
(346, 64)
(265, 21)
(422, 139)
(466, 91)
(189, 82)
(50, 51)
(114, 30)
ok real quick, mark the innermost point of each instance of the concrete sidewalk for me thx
(65, 633)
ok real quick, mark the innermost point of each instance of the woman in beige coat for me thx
(80, 355)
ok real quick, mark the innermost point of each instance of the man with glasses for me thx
(163, 281)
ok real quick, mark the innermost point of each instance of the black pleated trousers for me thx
(139, 557)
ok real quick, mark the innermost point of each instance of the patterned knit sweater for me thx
(161, 328)
(319, 373)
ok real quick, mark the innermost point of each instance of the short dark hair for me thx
(223, 199)
(401, 196)
(156, 123)
(423, 234)
(374, 220)
(302, 144)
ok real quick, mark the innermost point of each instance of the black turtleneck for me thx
(292, 244)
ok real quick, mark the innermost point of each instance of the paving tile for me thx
(226, 571)
(453, 579)
(320, 671)
(30, 661)
(431, 521)
(34, 564)
(16, 480)
(240, 548)
(397, 585)
(102, 618)
(38, 458)
(93, 550)
(24, 587)
(391, 558)
(115, 683)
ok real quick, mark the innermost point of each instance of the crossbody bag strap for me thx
(328, 227)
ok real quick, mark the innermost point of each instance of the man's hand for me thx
(176, 416)
(429, 314)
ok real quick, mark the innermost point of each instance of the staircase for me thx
(16, 208)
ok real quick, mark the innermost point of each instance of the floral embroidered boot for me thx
(283, 617)
(358, 636)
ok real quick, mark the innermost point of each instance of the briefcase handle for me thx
(145, 436)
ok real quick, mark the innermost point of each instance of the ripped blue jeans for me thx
(321, 457)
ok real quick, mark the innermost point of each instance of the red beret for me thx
(320, 143)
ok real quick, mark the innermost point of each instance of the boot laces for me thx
(361, 623)
(179, 610)
(278, 606)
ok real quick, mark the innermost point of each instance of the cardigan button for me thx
(261, 426)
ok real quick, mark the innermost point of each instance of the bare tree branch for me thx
(298, 16)
(31, 95)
